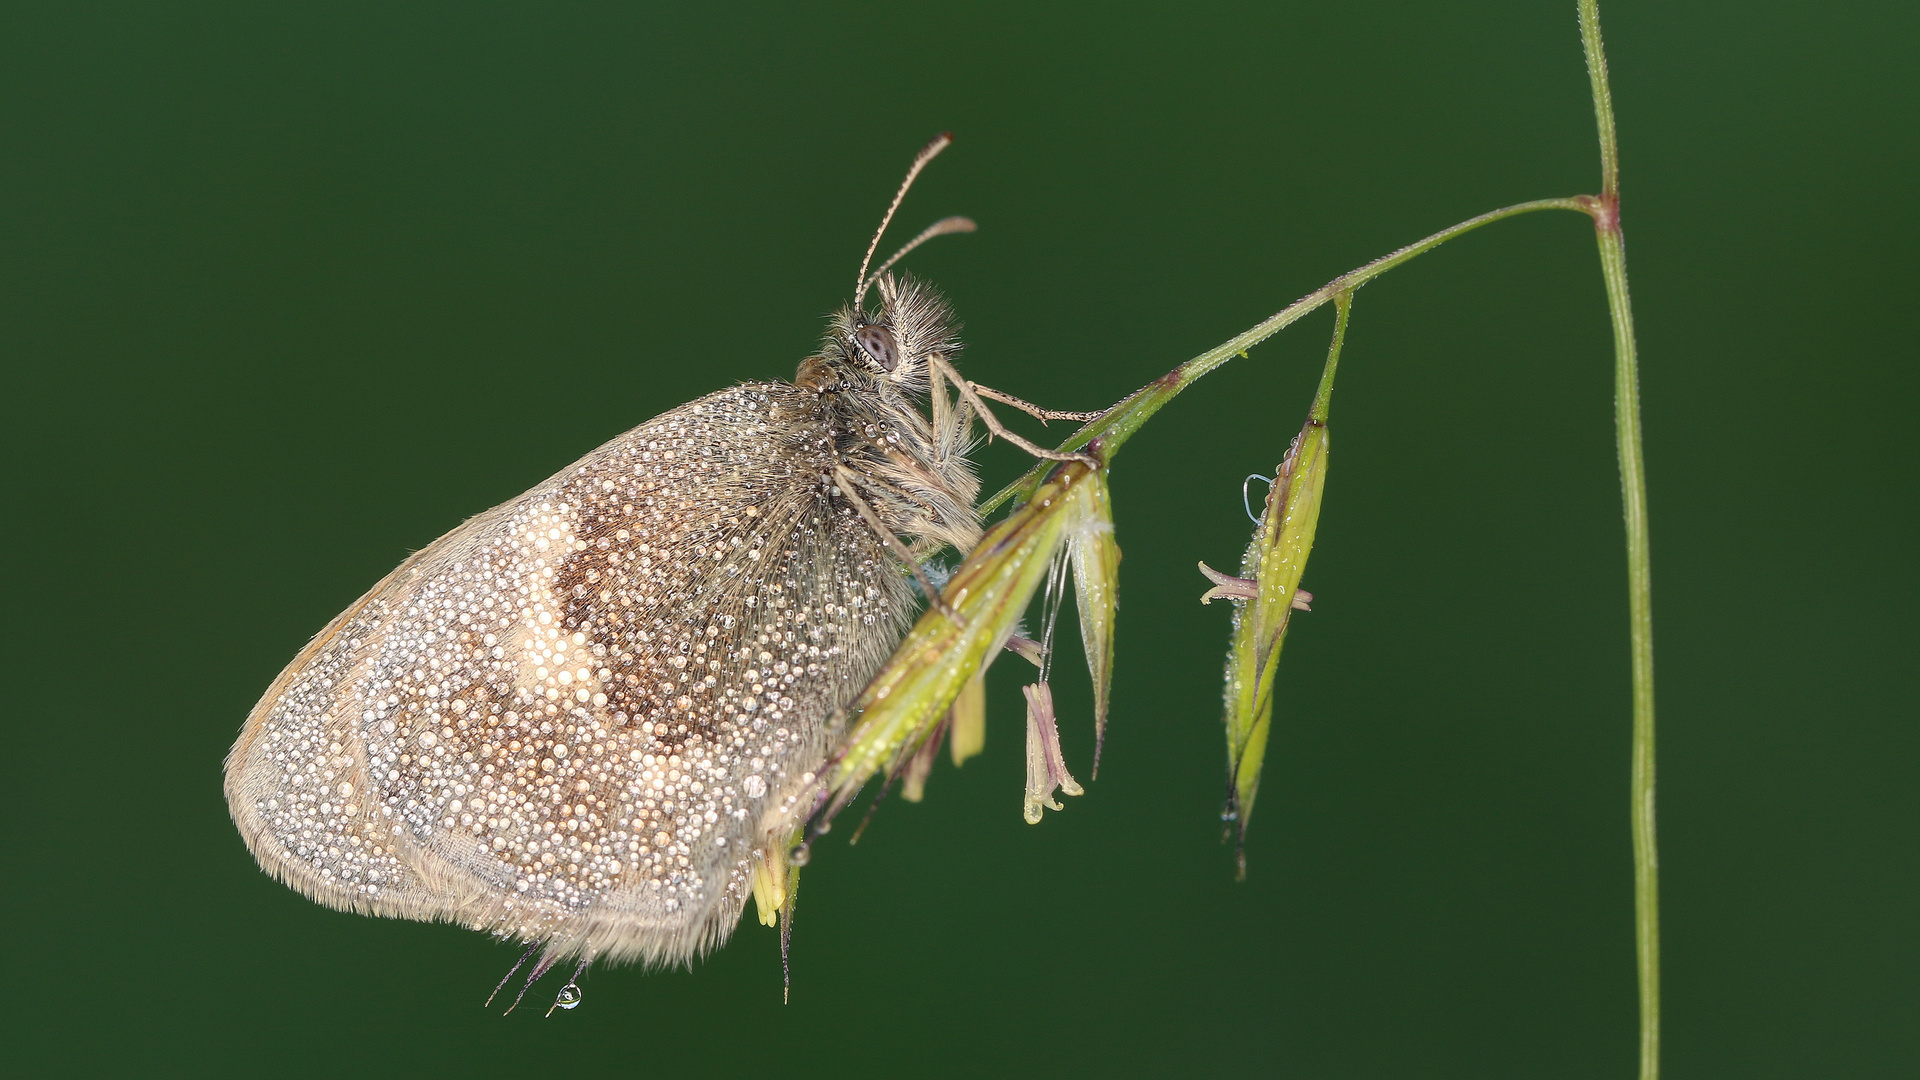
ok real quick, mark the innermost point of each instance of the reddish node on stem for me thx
(1604, 209)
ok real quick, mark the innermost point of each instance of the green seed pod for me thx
(904, 705)
(1273, 563)
(1268, 593)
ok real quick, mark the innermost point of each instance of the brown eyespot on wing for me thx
(574, 718)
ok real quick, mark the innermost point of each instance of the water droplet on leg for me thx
(569, 996)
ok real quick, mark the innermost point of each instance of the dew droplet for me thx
(799, 855)
(754, 786)
(569, 997)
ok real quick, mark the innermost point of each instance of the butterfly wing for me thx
(577, 716)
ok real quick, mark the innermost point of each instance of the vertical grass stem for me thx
(1605, 209)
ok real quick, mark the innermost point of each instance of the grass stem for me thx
(1605, 210)
(1115, 425)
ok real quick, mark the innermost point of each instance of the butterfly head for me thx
(888, 349)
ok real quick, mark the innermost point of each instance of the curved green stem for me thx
(1118, 423)
(1633, 488)
(1323, 397)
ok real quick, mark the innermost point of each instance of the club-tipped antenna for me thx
(927, 153)
(944, 226)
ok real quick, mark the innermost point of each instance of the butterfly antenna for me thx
(926, 154)
(944, 226)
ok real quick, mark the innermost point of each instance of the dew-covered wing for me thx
(575, 716)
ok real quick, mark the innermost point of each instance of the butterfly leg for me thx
(517, 964)
(569, 995)
(1028, 407)
(993, 422)
(539, 969)
(847, 480)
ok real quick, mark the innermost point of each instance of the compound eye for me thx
(877, 342)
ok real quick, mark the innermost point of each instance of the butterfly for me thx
(583, 717)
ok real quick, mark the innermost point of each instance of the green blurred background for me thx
(291, 289)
